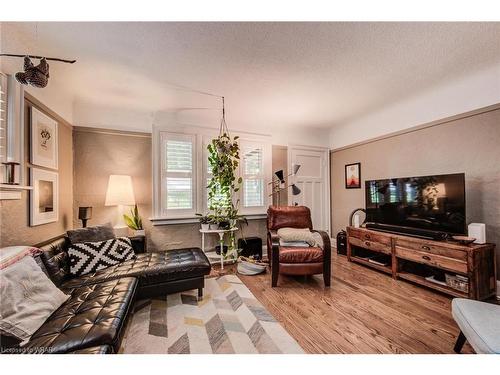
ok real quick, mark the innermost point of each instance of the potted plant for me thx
(204, 221)
(134, 222)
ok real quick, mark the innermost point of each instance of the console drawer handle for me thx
(367, 243)
(426, 257)
(426, 247)
(367, 236)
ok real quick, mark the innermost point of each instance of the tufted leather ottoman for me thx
(94, 315)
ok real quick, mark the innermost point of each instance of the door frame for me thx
(326, 174)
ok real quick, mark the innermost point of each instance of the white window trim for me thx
(202, 137)
(14, 127)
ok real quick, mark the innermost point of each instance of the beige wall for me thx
(470, 145)
(14, 214)
(101, 153)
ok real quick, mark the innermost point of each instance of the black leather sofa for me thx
(92, 320)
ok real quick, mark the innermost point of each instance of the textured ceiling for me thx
(287, 75)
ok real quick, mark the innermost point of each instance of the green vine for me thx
(224, 159)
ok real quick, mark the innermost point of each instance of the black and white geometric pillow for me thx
(90, 257)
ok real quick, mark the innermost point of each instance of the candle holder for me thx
(10, 172)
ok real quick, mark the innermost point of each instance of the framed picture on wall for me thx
(44, 142)
(353, 176)
(44, 198)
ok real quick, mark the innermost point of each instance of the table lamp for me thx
(84, 214)
(120, 193)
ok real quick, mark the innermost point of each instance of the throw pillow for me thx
(296, 235)
(89, 257)
(91, 234)
(28, 298)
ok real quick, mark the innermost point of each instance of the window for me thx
(178, 177)
(253, 174)
(392, 193)
(374, 192)
(3, 118)
(182, 173)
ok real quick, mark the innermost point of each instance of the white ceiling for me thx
(283, 75)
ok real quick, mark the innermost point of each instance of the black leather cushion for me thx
(103, 349)
(152, 268)
(91, 234)
(55, 260)
(93, 316)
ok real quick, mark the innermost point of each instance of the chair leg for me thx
(274, 276)
(200, 294)
(326, 279)
(460, 343)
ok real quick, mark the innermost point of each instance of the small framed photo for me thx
(44, 198)
(353, 176)
(44, 141)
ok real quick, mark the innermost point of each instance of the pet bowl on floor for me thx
(248, 268)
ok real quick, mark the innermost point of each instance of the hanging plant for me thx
(224, 159)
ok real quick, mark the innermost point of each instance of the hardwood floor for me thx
(363, 311)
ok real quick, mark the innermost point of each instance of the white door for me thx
(313, 181)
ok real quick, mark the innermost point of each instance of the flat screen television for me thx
(435, 203)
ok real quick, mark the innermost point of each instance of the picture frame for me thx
(44, 140)
(44, 198)
(353, 176)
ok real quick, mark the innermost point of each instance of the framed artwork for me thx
(353, 176)
(44, 143)
(44, 198)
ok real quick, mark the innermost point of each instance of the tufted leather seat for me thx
(300, 254)
(158, 273)
(92, 316)
(102, 349)
(151, 268)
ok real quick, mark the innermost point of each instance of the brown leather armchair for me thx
(296, 260)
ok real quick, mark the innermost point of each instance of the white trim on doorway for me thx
(325, 179)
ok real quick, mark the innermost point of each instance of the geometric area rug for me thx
(228, 320)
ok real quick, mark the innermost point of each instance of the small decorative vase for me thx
(214, 226)
(205, 226)
(139, 232)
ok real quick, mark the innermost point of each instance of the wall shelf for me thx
(12, 192)
(15, 187)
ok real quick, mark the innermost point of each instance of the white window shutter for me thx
(178, 175)
(253, 181)
(179, 156)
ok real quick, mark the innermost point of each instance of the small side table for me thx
(221, 233)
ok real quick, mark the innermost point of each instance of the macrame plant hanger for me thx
(223, 130)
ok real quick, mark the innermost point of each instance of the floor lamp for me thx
(279, 183)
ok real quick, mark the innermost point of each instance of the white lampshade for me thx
(120, 191)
